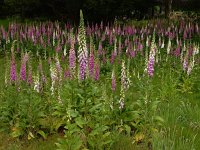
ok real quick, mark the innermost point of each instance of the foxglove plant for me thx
(97, 71)
(100, 49)
(125, 83)
(190, 66)
(146, 55)
(54, 78)
(122, 97)
(163, 43)
(72, 55)
(91, 58)
(169, 46)
(123, 86)
(13, 73)
(30, 78)
(192, 61)
(182, 52)
(114, 53)
(185, 60)
(36, 81)
(40, 68)
(65, 51)
(113, 81)
(151, 61)
(82, 50)
(23, 67)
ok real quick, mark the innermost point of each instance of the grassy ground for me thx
(8, 143)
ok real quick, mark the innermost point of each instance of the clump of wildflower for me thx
(13, 73)
(36, 81)
(82, 50)
(30, 78)
(72, 54)
(91, 58)
(23, 67)
(169, 46)
(43, 78)
(113, 81)
(125, 83)
(192, 61)
(54, 78)
(146, 59)
(151, 61)
(100, 51)
(190, 66)
(185, 62)
(182, 52)
(122, 97)
(65, 50)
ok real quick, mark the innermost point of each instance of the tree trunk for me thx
(168, 8)
(152, 12)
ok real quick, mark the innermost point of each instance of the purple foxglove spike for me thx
(140, 46)
(104, 57)
(112, 59)
(67, 74)
(97, 72)
(178, 51)
(185, 64)
(91, 64)
(23, 71)
(132, 53)
(30, 77)
(58, 48)
(72, 56)
(83, 66)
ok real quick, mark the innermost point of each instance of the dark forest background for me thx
(94, 10)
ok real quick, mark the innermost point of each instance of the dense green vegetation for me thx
(101, 86)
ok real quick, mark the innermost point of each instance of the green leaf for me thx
(40, 132)
(128, 129)
(16, 133)
(80, 122)
(106, 134)
(73, 113)
(30, 136)
(159, 120)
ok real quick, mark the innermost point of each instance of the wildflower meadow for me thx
(100, 86)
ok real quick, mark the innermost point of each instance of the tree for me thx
(168, 7)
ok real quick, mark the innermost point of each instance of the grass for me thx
(4, 22)
(8, 143)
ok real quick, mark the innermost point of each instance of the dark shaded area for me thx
(94, 10)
